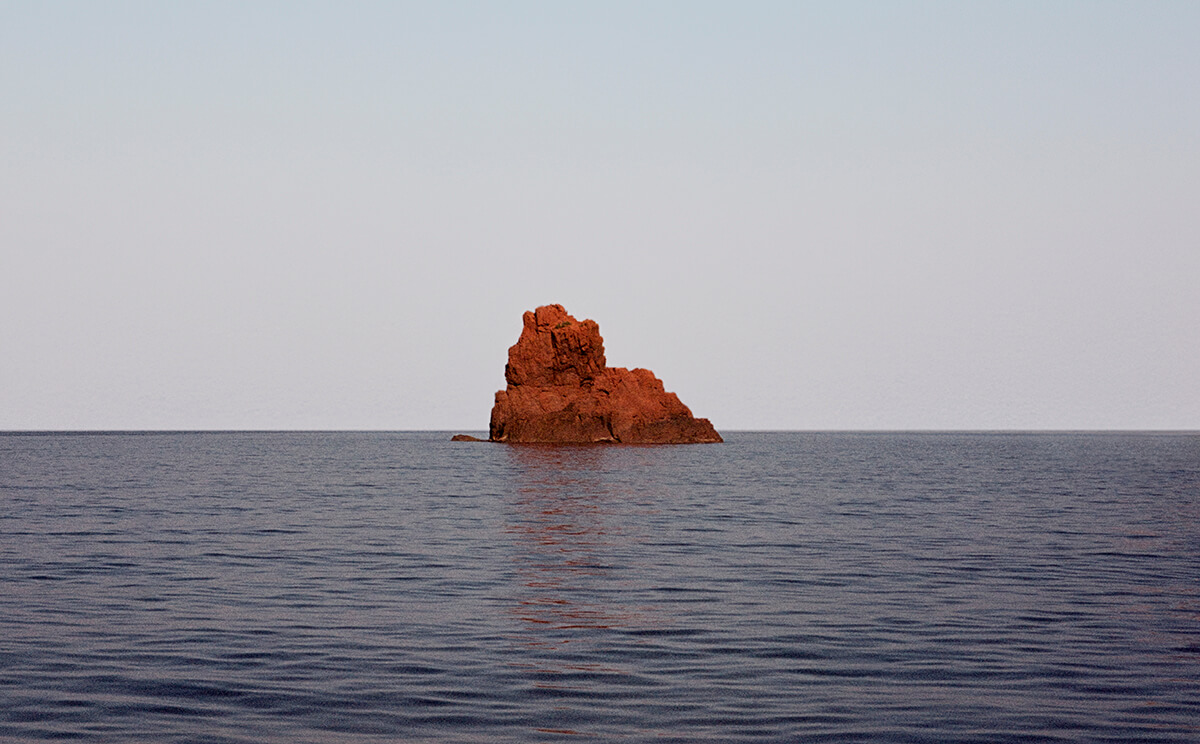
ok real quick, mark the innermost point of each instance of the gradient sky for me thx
(837, 215)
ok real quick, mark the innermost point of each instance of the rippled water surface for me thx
(354, 587)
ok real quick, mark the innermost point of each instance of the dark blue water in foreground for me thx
(372, 587)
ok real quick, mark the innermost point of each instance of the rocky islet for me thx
(560, 390)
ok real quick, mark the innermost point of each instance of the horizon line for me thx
(1132, 430)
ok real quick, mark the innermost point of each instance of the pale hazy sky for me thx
(836, 215)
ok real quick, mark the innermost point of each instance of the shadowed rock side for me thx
(561, 391)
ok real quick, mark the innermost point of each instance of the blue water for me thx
(823, 587)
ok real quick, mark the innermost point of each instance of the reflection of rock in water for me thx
(576, 560)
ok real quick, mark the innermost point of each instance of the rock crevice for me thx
(560, 390)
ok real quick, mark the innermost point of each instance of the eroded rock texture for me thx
(561, 391)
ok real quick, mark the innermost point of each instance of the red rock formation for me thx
(560, 390)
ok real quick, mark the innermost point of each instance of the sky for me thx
(799, 215)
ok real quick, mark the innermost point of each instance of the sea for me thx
(780, 587)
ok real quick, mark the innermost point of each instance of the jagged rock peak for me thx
(555, 349)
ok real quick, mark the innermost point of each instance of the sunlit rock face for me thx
(561, 391)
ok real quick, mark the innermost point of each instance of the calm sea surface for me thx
(379, 587)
